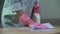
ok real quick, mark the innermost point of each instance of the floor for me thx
(26, 30)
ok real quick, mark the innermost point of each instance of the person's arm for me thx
(25, 18)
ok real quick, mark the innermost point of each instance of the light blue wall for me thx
(50, 8)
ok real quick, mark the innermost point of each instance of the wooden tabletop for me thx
(26, 30)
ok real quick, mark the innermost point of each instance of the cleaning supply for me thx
(49, 26)
(37, 11)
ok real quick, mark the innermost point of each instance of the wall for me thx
(50, 8)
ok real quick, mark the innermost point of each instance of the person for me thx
(23, 8)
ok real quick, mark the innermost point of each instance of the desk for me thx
(26, 30)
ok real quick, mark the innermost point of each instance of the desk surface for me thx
(25, 30)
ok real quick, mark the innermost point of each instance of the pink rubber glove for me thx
(26, 19)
